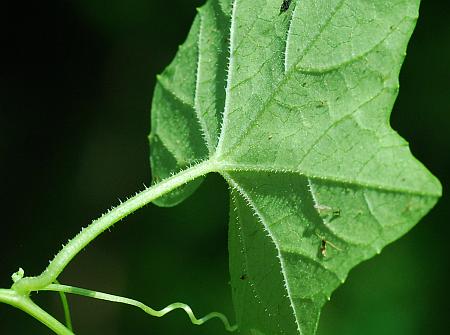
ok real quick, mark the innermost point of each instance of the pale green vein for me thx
(229, 76)
(197, 108)
(238, 167)
(253, 206)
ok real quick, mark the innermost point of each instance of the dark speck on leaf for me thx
(323, 248)
(243, 277)
(285, 6)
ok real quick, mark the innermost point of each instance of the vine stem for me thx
(24, 303)
(25, 285)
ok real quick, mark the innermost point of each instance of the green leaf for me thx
(291, 106)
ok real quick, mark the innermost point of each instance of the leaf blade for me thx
(297, 122)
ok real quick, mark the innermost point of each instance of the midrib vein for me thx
(224, 168)
(261, 219)
(197, 107)
(288, 38)
(243, 243)
(229, 77)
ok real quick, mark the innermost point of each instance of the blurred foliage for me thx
(75, 90)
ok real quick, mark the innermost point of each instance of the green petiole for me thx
(19, 294)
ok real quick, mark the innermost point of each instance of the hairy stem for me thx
(24, 303)
(70, 250)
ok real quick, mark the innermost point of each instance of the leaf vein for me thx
(239, 167)
(255, 209)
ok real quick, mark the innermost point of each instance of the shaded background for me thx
(75, 88)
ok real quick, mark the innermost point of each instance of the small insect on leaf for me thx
(243, 277)
(285, 6)
(323, 246)
(327, 213)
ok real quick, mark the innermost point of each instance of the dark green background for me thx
(76, 82)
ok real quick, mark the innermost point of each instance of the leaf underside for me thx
(293, 107)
